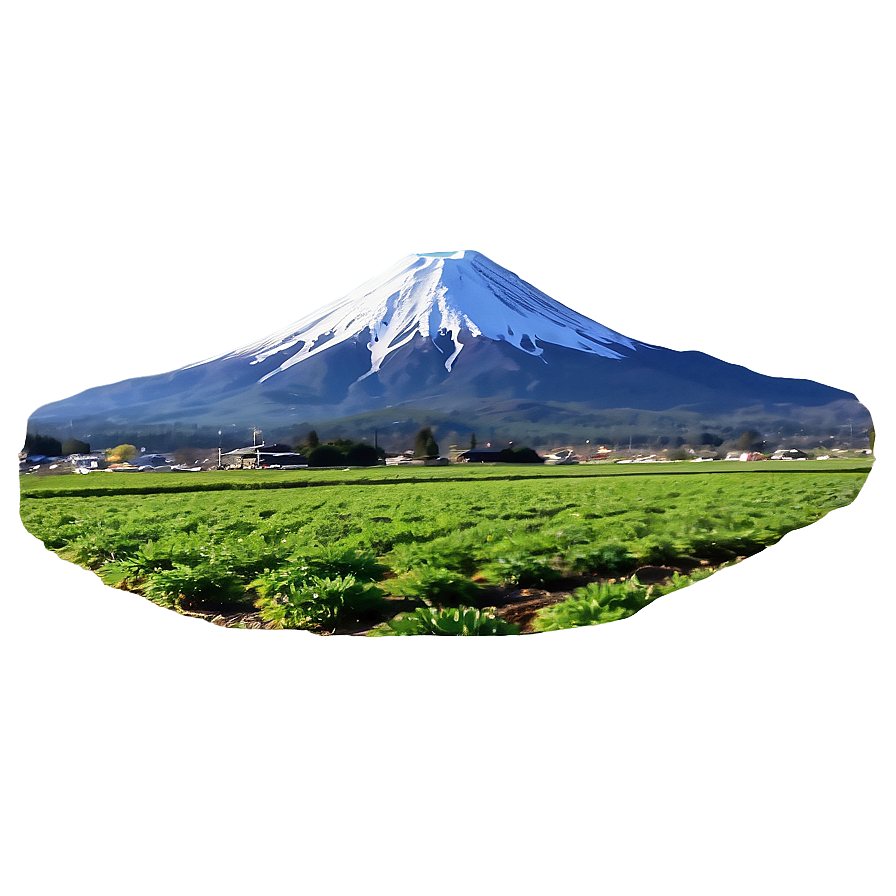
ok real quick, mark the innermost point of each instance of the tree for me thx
(362, 455)
(310, 442)
(425, 444)
(325, 456)
(520, 455)
(472, 440)
(526, 455)
(122, 453)
(75, 446)
(47, 445)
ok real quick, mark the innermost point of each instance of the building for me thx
(264, 456)
(479, 456)
(789, 454)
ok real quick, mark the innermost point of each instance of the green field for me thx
(449, 550)
(112, 483)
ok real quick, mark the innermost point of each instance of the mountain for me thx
(455, 337)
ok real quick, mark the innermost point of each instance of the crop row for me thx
(117, 484)
(343, 556)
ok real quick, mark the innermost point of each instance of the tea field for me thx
(455, 550)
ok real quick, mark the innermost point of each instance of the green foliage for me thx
(361, 454)
(145, 560)
(658, 549)
(527, 529)
(520, 455)
(521, 570)
(593, 605)
(321, 604)
(455, 551)
(35, 443)
(122, 453)
(452, 621)
(252, 553)
(203, 587)
(97, 546)
(435, 585)
(331, 562)
(325, 456)
(425, 444)
(608, 559)
(725, 546)
(343, 452)
(336, 560)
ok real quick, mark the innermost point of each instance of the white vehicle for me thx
(562, 456)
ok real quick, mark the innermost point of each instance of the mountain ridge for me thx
(443, 331)
(452, 294)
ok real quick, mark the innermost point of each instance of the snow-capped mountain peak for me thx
(459, 295)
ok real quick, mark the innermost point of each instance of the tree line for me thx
(49, 446)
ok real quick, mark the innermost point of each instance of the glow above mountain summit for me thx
(462, 295)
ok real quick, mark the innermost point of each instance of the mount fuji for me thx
(452, 337)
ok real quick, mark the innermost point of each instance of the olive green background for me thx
(183, 177)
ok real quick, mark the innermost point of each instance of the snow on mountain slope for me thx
(461, 295)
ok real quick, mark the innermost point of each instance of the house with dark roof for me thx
(479, 456)
(789, 454)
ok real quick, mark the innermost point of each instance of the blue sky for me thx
(179, 178)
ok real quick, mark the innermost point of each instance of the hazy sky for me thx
(216, 180)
